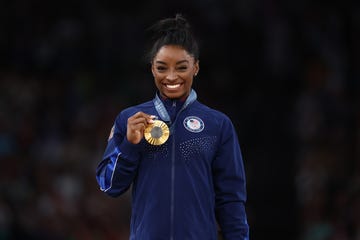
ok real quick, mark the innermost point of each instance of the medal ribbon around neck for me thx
(158, 132)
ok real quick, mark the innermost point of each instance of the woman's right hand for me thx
(136, 125)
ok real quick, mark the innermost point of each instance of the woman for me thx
(182, 158)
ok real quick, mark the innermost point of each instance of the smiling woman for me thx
(182, 158)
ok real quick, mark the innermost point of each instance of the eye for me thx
(161, 68)
(182, 68)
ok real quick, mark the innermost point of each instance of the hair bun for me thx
(181, 22)
(171, 25)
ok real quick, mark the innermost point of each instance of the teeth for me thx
(173, 86)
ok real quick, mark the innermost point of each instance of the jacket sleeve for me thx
(117, 170)
(230, 186)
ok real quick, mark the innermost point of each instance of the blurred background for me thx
(286, 72)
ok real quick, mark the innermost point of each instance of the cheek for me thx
(158, 76)
(189, 77)
(157, 81)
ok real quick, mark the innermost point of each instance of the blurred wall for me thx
(287, 73)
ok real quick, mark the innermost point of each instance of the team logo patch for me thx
(194, 124)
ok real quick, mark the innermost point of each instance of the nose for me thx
(171, 76)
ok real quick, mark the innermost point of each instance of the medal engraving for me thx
(157, 133)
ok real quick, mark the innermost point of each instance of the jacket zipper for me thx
(172, 197)
(172, 204)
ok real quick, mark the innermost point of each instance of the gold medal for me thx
(157, 133)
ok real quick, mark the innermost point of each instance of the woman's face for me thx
(174, 69)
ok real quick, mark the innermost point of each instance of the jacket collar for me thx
(161, 109)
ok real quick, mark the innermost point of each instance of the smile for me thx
(172, 86)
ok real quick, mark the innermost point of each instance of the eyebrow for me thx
(179, 62)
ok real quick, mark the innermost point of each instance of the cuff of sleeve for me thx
(129, 151)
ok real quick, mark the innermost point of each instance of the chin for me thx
(173, 95)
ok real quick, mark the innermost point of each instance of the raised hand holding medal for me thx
(140, 125)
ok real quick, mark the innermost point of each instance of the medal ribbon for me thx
(161, 109)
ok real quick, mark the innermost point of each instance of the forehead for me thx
(172, 52)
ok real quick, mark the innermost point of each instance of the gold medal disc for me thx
(157, 133)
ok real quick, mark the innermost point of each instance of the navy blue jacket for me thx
(189, 186)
